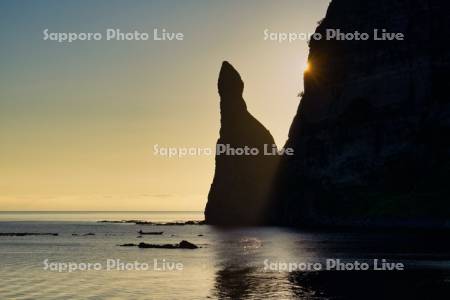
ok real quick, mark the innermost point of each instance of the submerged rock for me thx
(180, 223)
(150, 232)
(182, 245)
(128, 245)
(144, 223)
(119, 222)
(26, 233)
(140, 222)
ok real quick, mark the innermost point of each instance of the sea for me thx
(85, 260)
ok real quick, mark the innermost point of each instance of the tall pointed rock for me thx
(240, 189)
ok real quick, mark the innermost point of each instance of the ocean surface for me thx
(233, 263)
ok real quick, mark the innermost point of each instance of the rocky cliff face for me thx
(371, 135)
(240, 188)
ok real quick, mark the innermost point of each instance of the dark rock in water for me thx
(187, 245)
(150, 232)
(182, 245)
(240, 188)
(140, 222)
(128, 245)
(194, 222)
(180, 223)
(143, 223)
(371, 135)
(158, 246)
(121, 221)
(89, 234)
(26, 233)
(108, 221)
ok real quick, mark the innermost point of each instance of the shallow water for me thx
(229, 265)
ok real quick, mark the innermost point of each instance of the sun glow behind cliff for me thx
(307, 67)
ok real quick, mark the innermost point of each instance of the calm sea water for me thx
(157, 216)
(231, 263)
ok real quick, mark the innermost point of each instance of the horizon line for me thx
(80, 211)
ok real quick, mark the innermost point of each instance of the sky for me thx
(79, 121)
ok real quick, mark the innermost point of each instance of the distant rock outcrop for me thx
(241, 185)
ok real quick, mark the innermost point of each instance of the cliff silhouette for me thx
(371, 134)
(241, 186)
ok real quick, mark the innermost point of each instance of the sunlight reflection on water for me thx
(229, 264)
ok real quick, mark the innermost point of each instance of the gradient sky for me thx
(78, 121)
